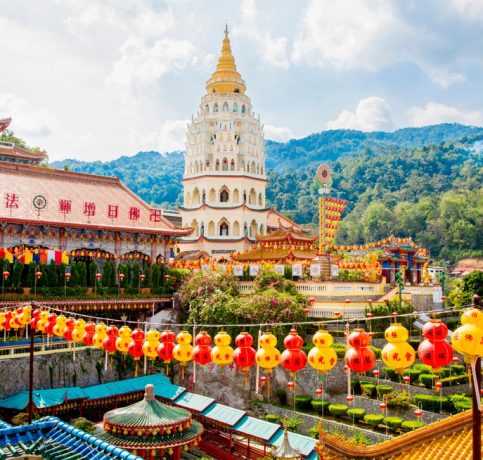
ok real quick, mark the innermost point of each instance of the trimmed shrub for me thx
(428, 380)
(389, 373)
(398, 400)
(424, 368)
(458, 369)
(319, 404)
(413, 374)
(414, 343)
(431, 403)
(302, 402)
(410, 425)
(373, 419)
(377, 351)
(368, 389)
(356, 414)
(394, 423)
(382, 390)
(462, 405)
(356, 386)
(281, 395)
(338, 409)
(273, 418)
(454, 380)
(340, 349)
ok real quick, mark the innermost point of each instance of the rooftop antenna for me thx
(226, 30)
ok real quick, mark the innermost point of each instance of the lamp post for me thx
(142, 277)
(67, 277)
(5, 276)
(400, 283)
(38, 275)
(98, 278)
(121, 276)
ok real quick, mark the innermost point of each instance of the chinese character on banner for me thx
(113, 211)
(238, 270)
(89, 209)
(134, 213)
(65, 206)
(155, 215)
(11, 200)
(254, 270)
(296, 270)
(315, 270)
(280, 269)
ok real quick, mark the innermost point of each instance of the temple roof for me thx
(10, 152)
(36, 195)
(277, 220)
(276, 255)
(292, 234)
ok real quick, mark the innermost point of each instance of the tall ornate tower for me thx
(224, 178)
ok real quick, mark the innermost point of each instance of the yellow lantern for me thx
(124, 339)
(267, 356)
(222, 353)
(183, 351)
(468, 338)
(2, 320)
(14, 324)
(26, 315)
(322, 357)
(60, 324)
(79, 330)
(43, 321)
(100, 335)
(397, 354)
(150, 345)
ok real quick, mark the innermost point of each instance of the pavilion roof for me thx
(287, 235)
(276, 255)
(37, 195)
(278, 220)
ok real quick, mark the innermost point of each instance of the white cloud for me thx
(141, 64)
(433, 113)
(171, 136)
(27, 122)
(371, 114)
(277, 133)
(470, 10)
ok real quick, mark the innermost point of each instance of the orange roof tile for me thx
(36, 195)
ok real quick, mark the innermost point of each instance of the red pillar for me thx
(177, 453)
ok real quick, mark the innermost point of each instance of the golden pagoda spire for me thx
(225, 78)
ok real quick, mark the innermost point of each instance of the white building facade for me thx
(224, 179)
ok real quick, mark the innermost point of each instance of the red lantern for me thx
(135, 348)
(376, 373)
(49, 328)
(6, 274)
(418, 413)
(165, 348)
(35, 318)
(69, 329)
(202, 350)
(319, 392)
(67, 276)
(293, 358)
(38, 275)
(349, 399)
(263, 379)
(435, 351)
(109, 342)
(98, 276)
(244, 354)
(383, 406)
(291, 386)
(406, 379)
(122, 276)
(90, 330)
(359, 357)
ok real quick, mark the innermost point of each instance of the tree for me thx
(52, 277)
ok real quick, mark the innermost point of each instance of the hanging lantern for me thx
(151, 344)
(397, 354)
(202, 350)
(6, 319)
(244, 354)
(322, 357)
(165, 348)
(100, 335)
(183, 351)
(267, 356)
(359, 357)
(51, 322)
(79, 330)
(468, 338)
(435, 351)
(124, 339)
(222, 353)
(90, 330)
(34, 321)
(293, 357)
(59, 326)
(135, 348)
(109, 342)
(13, 323)
(69, 329)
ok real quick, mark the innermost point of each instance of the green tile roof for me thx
(223, 414)
(42, 398)
(303, 444)
(254, 427)
(194, 401)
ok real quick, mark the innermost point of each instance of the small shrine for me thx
(285, 450)
(151, 429)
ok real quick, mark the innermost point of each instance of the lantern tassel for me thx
(475, 384)
(105, 362)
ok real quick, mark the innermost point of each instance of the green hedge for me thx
(356, 414)
(273, 418)
(428, 380)
(432, 403)
(462, 405)
(382, 390)
(454, 380)
(389, 373)
(410, 425)
(368, 389)
(413, 374)
(373, 419)
(338, 409)
(303, 402)
(377, 351)
(394, 423)
(458, 369)
(340, 349)
(318, 404)
(424, 368)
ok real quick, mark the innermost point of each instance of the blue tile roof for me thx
(223, 414)
(193, 401)
(254, 427)
(303, 444)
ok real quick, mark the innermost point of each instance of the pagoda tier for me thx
(151, 429)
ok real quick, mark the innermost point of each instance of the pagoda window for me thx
(215, 107)
(207, 108)
(202, 229)
(244, 108)
(225, 107)
(224, 196)
(253, 167)
(253, 197)
(244, 197)
(207, 164)
(236, 196)
(196, 196)
(224, 229)
(248, 167)
(217, 165)
(236, 228)
(194, 225)
(245, 229)
(237, 138)
(211, 228)
(261, 229)
(235, 107)
(232, 163)
(260, 200)
(236, 90)
(203, 197)
(212, 195)
(253, 228)
(213, 138)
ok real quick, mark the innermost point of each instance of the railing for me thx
(21, 349)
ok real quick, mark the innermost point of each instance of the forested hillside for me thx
(421, 182)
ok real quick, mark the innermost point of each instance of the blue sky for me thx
(94, 80)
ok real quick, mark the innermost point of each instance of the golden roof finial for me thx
(226, 79)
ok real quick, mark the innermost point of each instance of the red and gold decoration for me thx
(397, 354)
(89, 331)
(222, 353)
(135, 348)
(151, 344)
(359, 357)
(267, 356)
(330, 212)
(109, 343)
(322, 357)
(244, 355)
(166, 347)
(100, 335)
(202, 349)
(124, 339)
(293, 357)
(435, 351)
(183, 351)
